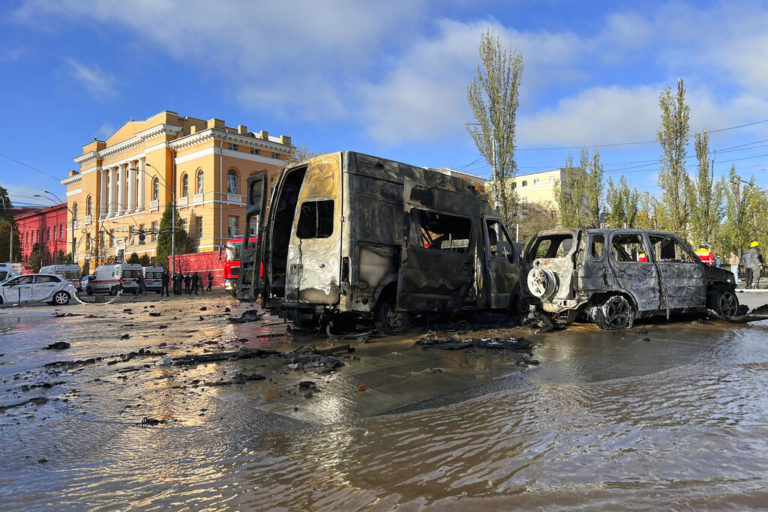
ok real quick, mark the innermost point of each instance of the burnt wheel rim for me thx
(729, 304)
(618, 312)
(395, 319)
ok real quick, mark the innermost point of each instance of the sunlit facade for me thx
(118, 195)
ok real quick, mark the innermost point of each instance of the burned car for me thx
(612, 276)
(362, 237)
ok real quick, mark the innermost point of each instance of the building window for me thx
(536, 181)
(184, 224)
(88, 242)
(74, 211)
(551, 179)
(524, 183)
(200, 181)
(48, 235)
(254, 151)
(155, 189)
(276, 155)
(61, 232)
(232, 181)
(154, 231)
(185, 185)
(232, 226)
(88, 206)
(111, 237)
(199, 225)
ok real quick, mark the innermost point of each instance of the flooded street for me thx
(662, 416)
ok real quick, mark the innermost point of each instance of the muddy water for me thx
(667, 416)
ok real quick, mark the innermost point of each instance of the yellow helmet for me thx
(754, 244)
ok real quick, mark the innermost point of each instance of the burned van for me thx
(612, 276)
(353, 235)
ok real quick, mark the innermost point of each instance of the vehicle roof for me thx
(606, 231)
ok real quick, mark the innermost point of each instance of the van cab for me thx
(9, 270)
(71, 272)
(113, 278)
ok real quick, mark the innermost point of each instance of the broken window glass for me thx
(628, 247)
(668, 249)
(555, 246)
(500, 244)
(441, 231)
(315, 219)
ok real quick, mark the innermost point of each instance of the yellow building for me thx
(539, 188)
(124, 184)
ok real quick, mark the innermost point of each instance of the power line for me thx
(29, 166)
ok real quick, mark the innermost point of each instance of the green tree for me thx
(300, 153)
(624, 205)
(144, 260)
(707, 198)
(494, 97)
(8, 229)
(183, 242)
(133, 259)
(579, 196)
(37, 257)
(673, 139)
(62, 258)
(742, 211)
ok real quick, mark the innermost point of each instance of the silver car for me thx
(48, 288)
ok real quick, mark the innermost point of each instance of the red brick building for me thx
(47, 226)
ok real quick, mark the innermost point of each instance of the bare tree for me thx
(493, 96)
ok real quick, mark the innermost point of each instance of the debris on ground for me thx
(151, 421)
(309, 357)
(238, 378)
(453, 342)
(165, 361)
(62, 315)
(37, 401)
(252, 315)
(59, 345)
(538, 321)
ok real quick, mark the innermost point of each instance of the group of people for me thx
(751, 260)
(190, 283)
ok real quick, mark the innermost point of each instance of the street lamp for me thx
(10, 231)
(173, 213)
(59, 201)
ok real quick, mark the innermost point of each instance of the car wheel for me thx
(113, 290)
(387, 319)
(725, 303)
(615, 312)
(61, 298)
(542, 283)
(88, 290)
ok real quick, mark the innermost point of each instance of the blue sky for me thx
(386, 78)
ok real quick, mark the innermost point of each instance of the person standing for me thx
(141, 289)
(755, 265)
(186, 284)
(733, 261)
(705, 254)
(194, 279)
(164, 279)
(210, 280)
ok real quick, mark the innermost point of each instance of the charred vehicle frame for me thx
(353, 235)
(612, 276)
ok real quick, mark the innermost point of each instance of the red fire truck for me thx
(234, 249)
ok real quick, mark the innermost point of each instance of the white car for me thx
(48, 288)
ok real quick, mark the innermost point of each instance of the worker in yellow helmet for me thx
(753, 262)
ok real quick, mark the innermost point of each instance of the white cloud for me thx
(106, 131)
(11, 54)
(99, 84)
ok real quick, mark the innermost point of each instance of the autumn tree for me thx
(579, 193)
(743, 214)
(9, 233)
(673, 138)
(623, 203)
(707, 197)
(494, 96)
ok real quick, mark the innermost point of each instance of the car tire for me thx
(61, 298)
(88, 290)
(387, 320)
(542, 283)
(113, 290)
(615, 312)
(724, 303)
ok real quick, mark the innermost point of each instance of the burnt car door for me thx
(437, 257)
(502, 266)
(250, 281)
(633, 269)
(682, 272)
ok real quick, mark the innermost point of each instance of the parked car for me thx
(612, 276)
(48, 288)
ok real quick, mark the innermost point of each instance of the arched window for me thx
(74, 211)
(232, 181)
(88, 206)
(200, 181)
(155, 189)
(185, 185)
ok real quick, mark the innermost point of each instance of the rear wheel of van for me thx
(113, 290)
(389, 321)
(615, 312)
(61, 298)
(88, 290)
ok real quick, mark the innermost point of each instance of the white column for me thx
(120, 206)
(112, 187)
(103, 174)
(142, 185)
(131, 187)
